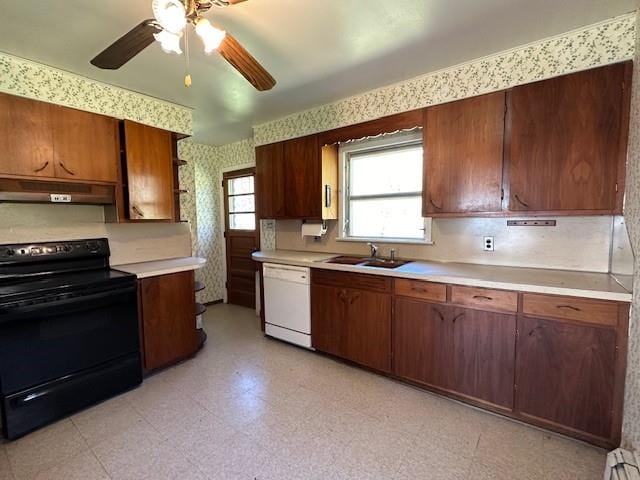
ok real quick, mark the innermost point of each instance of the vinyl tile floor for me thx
(247, 407)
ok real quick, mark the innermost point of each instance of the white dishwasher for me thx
(287, 303)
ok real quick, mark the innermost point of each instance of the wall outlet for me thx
(487, 244)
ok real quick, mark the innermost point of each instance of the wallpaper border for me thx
(602, 43)
(27, 78)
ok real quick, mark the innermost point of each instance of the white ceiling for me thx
(319, 51)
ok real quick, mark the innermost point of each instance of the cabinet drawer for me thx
(351, 280)
(585, 310)
(484, 298)
(436, 292)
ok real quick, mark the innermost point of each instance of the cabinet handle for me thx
(575, 309)
(353, 298)
(66, 169)
(439, 314)
(434, 205)
(526, 205)
(459, 316)
(482, 297)
(342, 295)
(46, 164)
(533, 330)
(137, 211)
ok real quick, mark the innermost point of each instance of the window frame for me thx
(377, 144)
(228, 196)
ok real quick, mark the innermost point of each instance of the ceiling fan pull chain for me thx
(187, 75)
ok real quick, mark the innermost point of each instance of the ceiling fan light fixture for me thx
(170, 14)
(169, 42)
(211, 36)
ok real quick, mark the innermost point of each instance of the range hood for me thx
(41, 191)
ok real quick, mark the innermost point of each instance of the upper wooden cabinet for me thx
(26, 137)
(463, 144)
(38, 139)
(149, 173)
(297, 179)
(567, 142)
(270, 180)
(86, 145)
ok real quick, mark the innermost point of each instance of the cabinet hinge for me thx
(502, 194)
(222, 183)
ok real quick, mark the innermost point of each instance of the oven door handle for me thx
(91, 300)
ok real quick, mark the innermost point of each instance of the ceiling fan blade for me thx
(127, 46)
(233, 2)
(243, 61)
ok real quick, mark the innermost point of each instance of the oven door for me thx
(65, 335)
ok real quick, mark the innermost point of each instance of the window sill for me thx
(384, 241)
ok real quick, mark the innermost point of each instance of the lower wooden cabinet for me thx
(566, 374)
(553, 361)
(167, 309)
(460, 350)
(354, 324)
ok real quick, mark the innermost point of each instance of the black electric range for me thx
(68, 331)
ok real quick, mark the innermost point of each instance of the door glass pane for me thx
(397, 170)
(242, 203)
(388, 217)
(242, 221)
(240, 185)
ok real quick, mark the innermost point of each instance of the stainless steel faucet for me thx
(373, 250)
(392, 255)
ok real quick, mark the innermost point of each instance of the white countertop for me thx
(162, 267)
(536, 280)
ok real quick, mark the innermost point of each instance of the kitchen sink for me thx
(348, 260)
(380, 263)
(366, 261)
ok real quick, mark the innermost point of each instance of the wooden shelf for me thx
(200, 309)
(178, 162)
(199, 286)
(202, 338)
(180, 191)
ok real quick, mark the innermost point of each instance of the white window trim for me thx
(367, 144)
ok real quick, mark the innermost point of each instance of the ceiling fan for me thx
(172, 17)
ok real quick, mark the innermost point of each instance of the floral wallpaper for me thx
(631, 426)
(606, 42)
(203, 173)
(41, 82)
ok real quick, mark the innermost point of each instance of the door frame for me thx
(223, 224)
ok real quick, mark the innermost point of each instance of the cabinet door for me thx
(483, 355)
(567, 142)
(565, 374)
(328, 328)
(86, 145)
(303, 178)
(149, 172)
(270, 180)
(26, 137)
(168, 318)
(463, 143)
(368, 320)
(420, 351)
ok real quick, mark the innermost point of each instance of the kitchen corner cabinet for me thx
(42, 140)
(351, 317)
(567, 142)
(168, 325)
(148, 173)
(297, 179)
(463, 150)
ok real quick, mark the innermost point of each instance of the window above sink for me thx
(381, 190)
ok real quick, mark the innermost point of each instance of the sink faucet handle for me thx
(373, 249)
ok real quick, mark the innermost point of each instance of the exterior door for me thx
(242, 235)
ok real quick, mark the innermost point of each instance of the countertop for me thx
(162, 267)
(535, 280)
